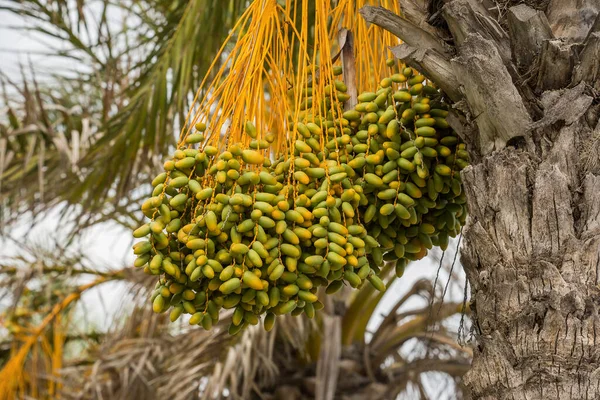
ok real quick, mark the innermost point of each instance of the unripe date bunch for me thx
(236, 229)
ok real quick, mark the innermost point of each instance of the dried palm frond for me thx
(43, 284)
(300, 357)
(17, 378)
(144, 356)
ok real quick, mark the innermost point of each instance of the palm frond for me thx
(136, 138)
(133, 96)
(40, 286)
(41, 145)
(190, 363)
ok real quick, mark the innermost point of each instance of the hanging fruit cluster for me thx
(244, 229)
(407, 158)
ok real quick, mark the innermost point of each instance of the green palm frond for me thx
(135, 91)
(140, 134)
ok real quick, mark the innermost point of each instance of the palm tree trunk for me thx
(532, 256)
(525, 85)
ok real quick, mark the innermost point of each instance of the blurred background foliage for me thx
(80, 143)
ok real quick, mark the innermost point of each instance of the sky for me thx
(19, 48)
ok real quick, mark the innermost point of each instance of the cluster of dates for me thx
(235, 229)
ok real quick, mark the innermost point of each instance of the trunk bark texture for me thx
(532, 257)
(524, 80)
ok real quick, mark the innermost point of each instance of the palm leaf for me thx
(143, 82)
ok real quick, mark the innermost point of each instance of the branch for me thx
(394, 336)
(410, 33)
(451, 367)
(400, 374)
(420, 49)
(444, 340)
(422, 285)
